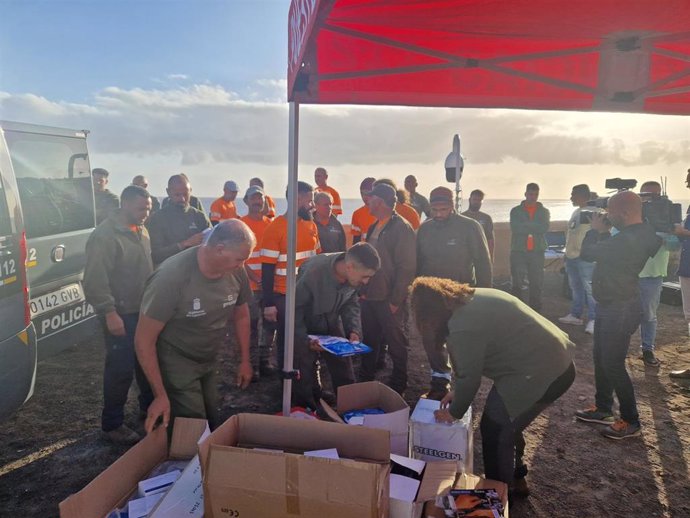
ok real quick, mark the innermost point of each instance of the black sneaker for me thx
(621, 430)
(649, 359)
(594, 415)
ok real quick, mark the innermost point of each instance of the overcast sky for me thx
(199, 87)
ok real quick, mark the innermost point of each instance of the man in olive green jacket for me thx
(529, 222)
(327, 303)
(118, 262)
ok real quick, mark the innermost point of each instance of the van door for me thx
(17, 336)
(53, 176)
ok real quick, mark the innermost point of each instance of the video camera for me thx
(657, 210)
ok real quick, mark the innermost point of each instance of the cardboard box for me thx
(466, 481)
(373, 394)
(437, 477)
(430, 440)
(240, 480)
(113, 487)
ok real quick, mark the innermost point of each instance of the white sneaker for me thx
(571, 319)
(589, 328)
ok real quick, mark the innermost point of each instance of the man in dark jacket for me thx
(177, 226)
(118, 262)
(107, 202)
(452, 247)
(327, 303)
(615, 287)
(331, 231)
(529, 222)
(384, 297)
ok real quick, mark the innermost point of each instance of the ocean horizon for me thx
(499, 210)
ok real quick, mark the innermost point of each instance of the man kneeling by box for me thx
(526, 357)
(327, 303)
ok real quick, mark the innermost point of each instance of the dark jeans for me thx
(527, 270)
(306, 391)
(380, 326)
(121, 366)
(613, 326)
(503, 445)
(438, 360)
(261, 333)
(279, 301)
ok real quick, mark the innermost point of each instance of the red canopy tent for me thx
(596, 55)
(605, 55)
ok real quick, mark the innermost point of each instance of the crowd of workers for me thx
(171, 282)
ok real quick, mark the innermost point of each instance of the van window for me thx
(54, 182)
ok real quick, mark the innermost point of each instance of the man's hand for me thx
(245, 374)
(315, 346)
(114, 323)
(159, 407)
(600, 223)
(271, 314)
(193, 240)
(394, 309)
(354, 338)
(443, 416)
(447, 399)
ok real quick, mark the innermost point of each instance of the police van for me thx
(46, 215)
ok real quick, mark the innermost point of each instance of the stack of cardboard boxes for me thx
(255, 466)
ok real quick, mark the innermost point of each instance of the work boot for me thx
(267, 370)
(438, 389)
(649, 359)
(122, 435)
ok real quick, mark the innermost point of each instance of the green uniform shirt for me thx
(498, 336)
(195, 309)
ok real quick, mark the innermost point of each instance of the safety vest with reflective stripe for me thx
(254, 261)
(274, 247)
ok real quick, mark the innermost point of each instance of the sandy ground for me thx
(52, 447)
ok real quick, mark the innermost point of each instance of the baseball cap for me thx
(254, 189)
(231, 186)
(441, 194)
(385, 192)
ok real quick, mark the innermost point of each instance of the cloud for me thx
(207, 126)
(177, 77)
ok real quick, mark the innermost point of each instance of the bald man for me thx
(143, 182)
(615, 287)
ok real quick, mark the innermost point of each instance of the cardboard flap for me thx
(439, 477)
(369, 394)
(284, 433)
(330, 412)
(225, 434)
(117, 482)
(186, 433)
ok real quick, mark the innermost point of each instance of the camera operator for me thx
(615, 286)
(651, 278)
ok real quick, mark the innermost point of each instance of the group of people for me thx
(168, 284)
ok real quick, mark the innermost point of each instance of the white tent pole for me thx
(293, 148)
(458, 172)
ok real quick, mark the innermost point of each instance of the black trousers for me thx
(503, 445)
(527, 272)
(380, 326)
(613, 326)
(121, 367)
(306, 391)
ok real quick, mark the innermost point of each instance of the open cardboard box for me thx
(373, 394)
(252, 465)
(437, 477)
(113, 487)
(468, 481)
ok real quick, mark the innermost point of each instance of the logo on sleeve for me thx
(196, 310)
